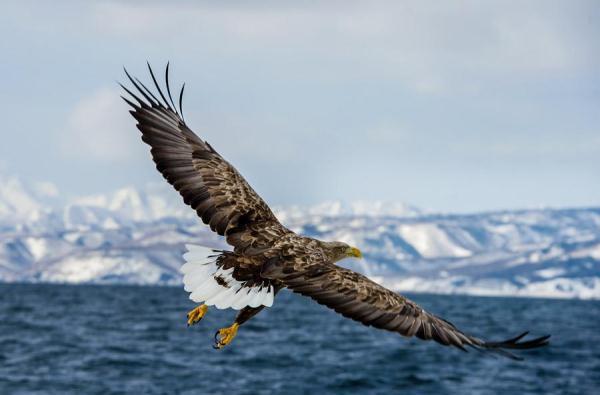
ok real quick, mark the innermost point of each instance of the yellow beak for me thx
(355, 252)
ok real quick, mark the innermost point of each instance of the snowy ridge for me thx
(138, 236)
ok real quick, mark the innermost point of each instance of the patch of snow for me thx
(37, 247)
(381, 208)
(551, 272)
(15, 201)
(592, 252)
(431, 241)
(95, 268)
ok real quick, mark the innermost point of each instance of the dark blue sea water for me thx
(57, 339)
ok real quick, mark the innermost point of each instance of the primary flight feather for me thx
(266, 256)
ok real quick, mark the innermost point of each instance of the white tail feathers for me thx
(200, 273)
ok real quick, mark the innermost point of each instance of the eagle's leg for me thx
(196, 314)
(224, 336)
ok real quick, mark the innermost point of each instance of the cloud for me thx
(431, 47)
(406, 100)
(100, 128)
(582, 146)
(45, 189)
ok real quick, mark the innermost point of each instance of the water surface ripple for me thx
(57, 339)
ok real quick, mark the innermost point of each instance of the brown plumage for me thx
(265, 253)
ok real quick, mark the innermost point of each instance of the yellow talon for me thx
(224, 336)
(196, 314)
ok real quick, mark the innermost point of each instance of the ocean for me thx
(100, 339)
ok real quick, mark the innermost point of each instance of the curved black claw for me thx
(218, 345)
(224, 336)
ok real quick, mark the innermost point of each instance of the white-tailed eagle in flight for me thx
(266, 256)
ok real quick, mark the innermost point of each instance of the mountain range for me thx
(137, 236)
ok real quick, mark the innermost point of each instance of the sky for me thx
(456, 106)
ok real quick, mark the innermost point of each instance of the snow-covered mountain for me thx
(135, 236)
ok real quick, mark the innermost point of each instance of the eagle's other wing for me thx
(355, 296)
(206, 181)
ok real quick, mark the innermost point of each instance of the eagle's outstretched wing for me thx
(206, 181)
(355, 296)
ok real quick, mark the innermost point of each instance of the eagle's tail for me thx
(208, 275)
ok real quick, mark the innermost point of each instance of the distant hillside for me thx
(133, 236)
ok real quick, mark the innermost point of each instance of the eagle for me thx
(267, 257)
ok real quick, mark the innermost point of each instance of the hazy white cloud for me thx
(418, 100)
(432, 47)
(582, 146)
(45, 189)
(100, 128)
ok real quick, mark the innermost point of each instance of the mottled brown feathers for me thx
(265, 252)
(358, 298)
(206, 181)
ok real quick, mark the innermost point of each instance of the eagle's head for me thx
(336, 251)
